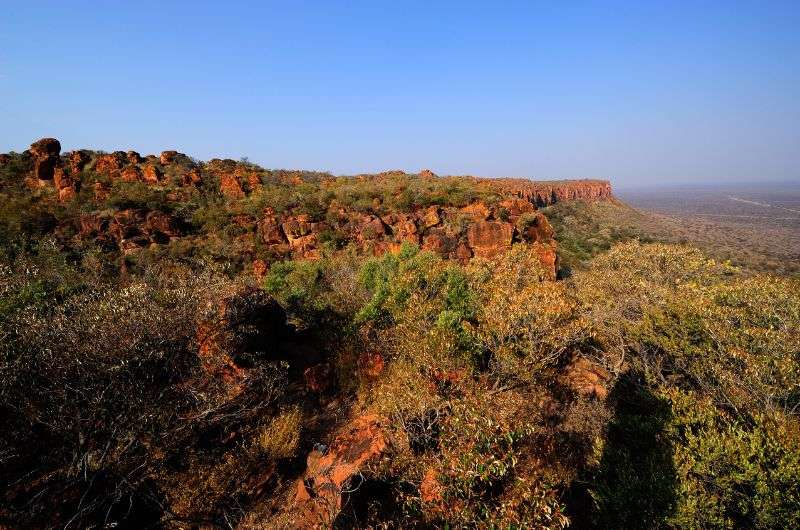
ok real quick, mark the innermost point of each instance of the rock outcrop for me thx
(542, 193)
(332, 472)
(45, 153)
(483, 228)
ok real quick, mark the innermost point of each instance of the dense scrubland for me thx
(224, 346)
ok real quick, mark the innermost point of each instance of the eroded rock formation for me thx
(45, 153)
(547, 193)
(483, 228)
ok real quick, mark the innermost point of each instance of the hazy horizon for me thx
(637, 94)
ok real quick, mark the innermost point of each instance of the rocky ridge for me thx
(482, 228)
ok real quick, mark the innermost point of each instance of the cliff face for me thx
(543, 193)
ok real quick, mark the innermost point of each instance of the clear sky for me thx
(636, 91)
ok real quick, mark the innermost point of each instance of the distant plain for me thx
(755, 226)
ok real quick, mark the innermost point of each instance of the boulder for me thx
(270, 229)
(515, 207)
(152, 174)
(77, 161)
(92, 226)
(330, 472)
(193, 177)
(405, 229)
(477, 210)
(64, 183)
(296, 227)
(546, 252)
(131, 174)
(110, 164)
(439, 241)
(133, 157)
(431, 218)
(249, 177)
(159, 225)
(536, 228)
(167, 157)
(427, 173)
(45, 154)
(371, 227)
(306, 246)
(489, 238)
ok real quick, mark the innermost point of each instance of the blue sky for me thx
(635, 91)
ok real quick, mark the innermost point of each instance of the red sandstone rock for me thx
(516, 207)
(320, 493)
(270, 229)
(305, 246)
(427, 173)
(537, 229)
(152, 174)
(65, 185)
(405, 229)
(463, 253)
(131, 174)
(439, 241)
(489, 238)
(92, 225)
(110, 164)
(167, 157)
(230, 187)
(133, 157)
(296, 227)
(45, 153)
(371, 227)
(77, 161)
(193, 177)
(431, 217)
(248, 176)
(546, 252)
(159, 224)
(477, 210)
(546, 193)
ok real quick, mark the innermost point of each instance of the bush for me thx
(99, 391)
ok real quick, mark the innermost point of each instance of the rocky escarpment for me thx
(547, 193)
(486, 219)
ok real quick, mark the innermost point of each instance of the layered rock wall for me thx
(543, 193)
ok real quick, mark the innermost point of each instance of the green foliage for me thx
(733, 475)
(586, 229)
(137, 195)
(395, 280)
(297, 285)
